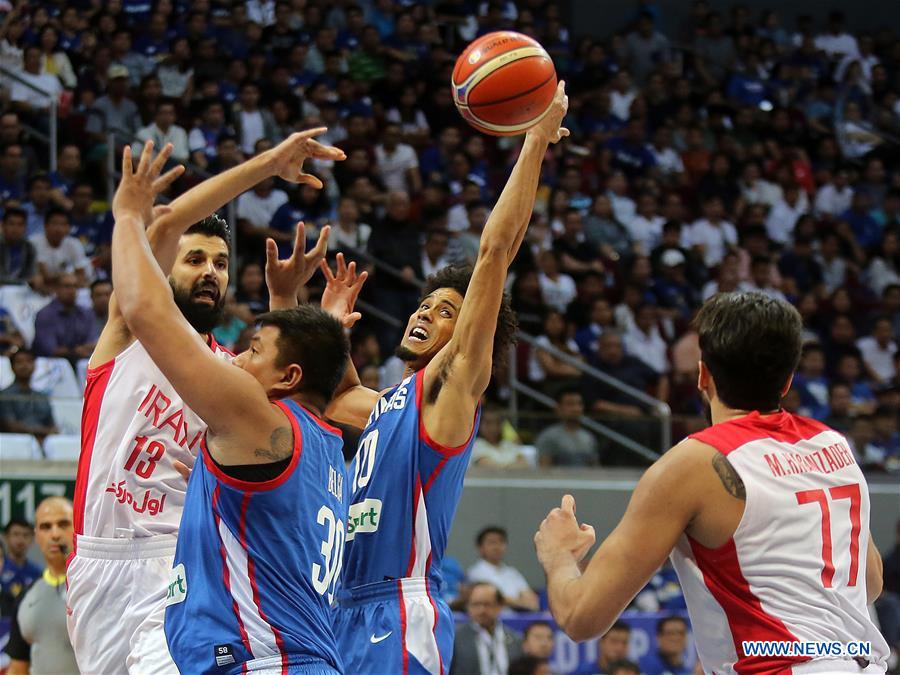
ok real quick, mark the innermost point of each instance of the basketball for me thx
(503, 83)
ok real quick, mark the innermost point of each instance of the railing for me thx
(52, 140)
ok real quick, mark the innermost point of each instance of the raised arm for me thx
(665, 502)
(464, 364)
(285, 160)
(213, 388)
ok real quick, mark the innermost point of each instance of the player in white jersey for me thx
(765, 515)
(129, 495)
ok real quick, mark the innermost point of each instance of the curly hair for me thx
(458, 279)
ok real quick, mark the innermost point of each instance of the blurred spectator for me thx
(600, 320)
(114, 111)
(878, 350)
(164, 130)
(491, 569)
(530, 665)
(491, 449)
(18, 572)
(836, 42)
(888, 605)
(483, 646)
(712, 236)
(251, 122)
(811, 382)
(58, 253)
(397, 162)
(348, 231)
(12, 172)
(567, 443)
(840, 407)
(18, 258)
(101, 292)
(23, 410)
(10, 337)
(835, 196)
(45, 88)
(624, 667)
(39, 637)
(612, 359)
(671, 645)
(38, 203)
(64, 329)
(549, 372)
(603, 231)
(255, 210)
(646, 343)
(252, 295)
(557, 288)
(538, 640)
(645, 48)
(785, 213)
(613, 646)
(229, 329)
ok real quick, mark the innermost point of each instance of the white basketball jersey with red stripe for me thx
(133, 428)
(795, 569)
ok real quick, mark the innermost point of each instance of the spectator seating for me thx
(67, 414)
(19, 446)
(62, 447)
(23, 304)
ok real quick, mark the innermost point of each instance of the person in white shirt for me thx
(645, 342)
(255, 209)
(623, 206)
(645, 229)
(866, 59)
(348, 232)
(492, 543)
(24, 97)
(434, 251)
(622, 96)
(855, 135)
(163, 131)
(557, 289)
(58, 253)
(397, 163)
(711, 236)
(834, 197)
(756, 190)
(668, 161)
(837, 42)
(878, 350)
(491, 449)
(784, 214)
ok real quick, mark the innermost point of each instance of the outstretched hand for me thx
(549, 128)
(288, 156)
(341, 291)
(561, 536)
(285, 278)
(139, 187)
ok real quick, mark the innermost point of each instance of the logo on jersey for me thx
(177, 585)
(397, 401)
(363, 516)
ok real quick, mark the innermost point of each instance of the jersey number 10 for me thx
(819, 497)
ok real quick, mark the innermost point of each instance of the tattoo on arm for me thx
(729, 477)
(281, 445)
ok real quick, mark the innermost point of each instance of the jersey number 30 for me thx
(819, 497)
(325, 577)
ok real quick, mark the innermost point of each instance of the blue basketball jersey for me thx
(405, 490)
(257, 564)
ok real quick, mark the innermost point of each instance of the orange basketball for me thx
(503, 83)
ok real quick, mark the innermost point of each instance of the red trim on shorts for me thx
(436, 618)
(747, 619)
(226, 578)
(417, 491)
(782, 426)
(402, 604)
(94, 392)
(251, 573)
(446, 450)
(249, 486)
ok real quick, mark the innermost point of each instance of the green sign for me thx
(20, 496)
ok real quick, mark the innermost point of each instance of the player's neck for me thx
(312, 404)
(719, 412)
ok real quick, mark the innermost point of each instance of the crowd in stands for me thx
(744, 150)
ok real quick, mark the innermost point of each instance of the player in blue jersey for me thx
(261, 539)
(407, 476)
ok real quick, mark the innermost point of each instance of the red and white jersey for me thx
(133, 427)
(795, 568)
